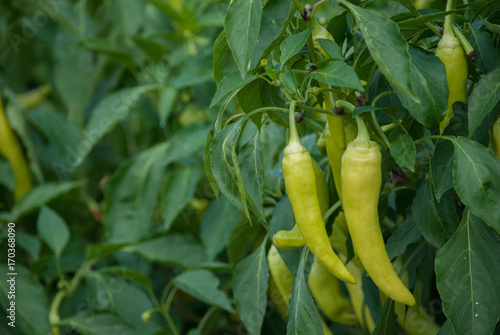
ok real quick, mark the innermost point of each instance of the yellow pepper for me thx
(291, 239)
(361, 180)
(301, 188)
(11, 149)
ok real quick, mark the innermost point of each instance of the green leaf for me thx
(203, 284)
(97, 324)
(132, 193)
(436, 221)
(467, 272)
(225, 166)
(220, 55)
(386, 46)
(31, 305)
(428, 78)
(130, 301)
(303, 318)
(386, 324)
(275, 17)
(29, 243)
(53, 230)
(242, 25)
(100, 250)
(207, 162)
(404, 152)
(128, 16)
(241, 240)
(337, 73)
(217, 223)
(458, 124)
(7, 178)
(173, 249)
(74, 77)
(178, 192)
(293, 44)
(422, 19)
(476, 174)
(129, 274)
(109, 48)
(250, 283)
(250, 99)
(404, 235)
(41, 195)
(230, 83)
(168, 96)
(446, 329)
(494, 28)
(252, 171)
(113, 109)
(289, 81)
(441, 167)
(331, 48)
(153, 49)
(483, 99)
(484, 49)
(283, 218)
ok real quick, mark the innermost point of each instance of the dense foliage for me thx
(141, 164)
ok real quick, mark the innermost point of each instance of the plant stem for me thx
(313, 125)
(469, 50)
(66, 292)
(299, 7)
(345, 104)
(363, 134)
(437, 137)
(265, 109)
(294, 136)
(379, 129)
(380, 96)
(449, 19)
(331, 210)
(319, 110)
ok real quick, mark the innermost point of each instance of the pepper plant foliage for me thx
(154, 133)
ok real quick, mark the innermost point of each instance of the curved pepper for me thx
(301, 188)
(291, 239)
(328, 294)
(11, 149)
(361, 181)
(339, 237)
(283, 279)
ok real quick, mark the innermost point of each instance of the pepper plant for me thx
(146, 189)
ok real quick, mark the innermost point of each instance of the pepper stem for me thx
(363, 135)
(345, 104)
(450, 18)
(294, 136)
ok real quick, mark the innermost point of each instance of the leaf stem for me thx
(437, 137)
(379, 129)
